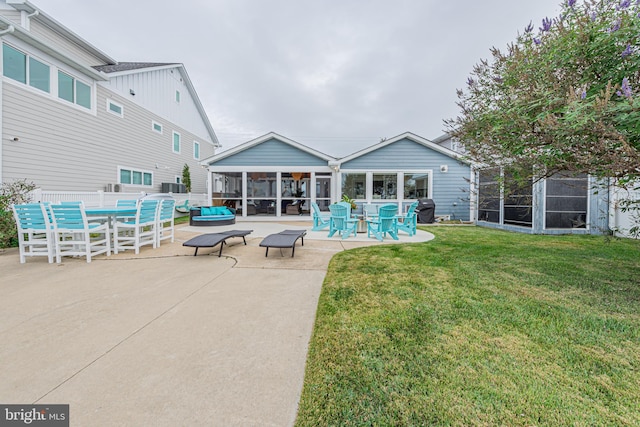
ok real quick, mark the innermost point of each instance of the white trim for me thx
(142, 171)
(222, 169)
(111, 102)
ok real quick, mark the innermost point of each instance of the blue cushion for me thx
(205, 211)
(225, 211)
(216, 210)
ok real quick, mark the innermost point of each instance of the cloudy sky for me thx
(336, 75)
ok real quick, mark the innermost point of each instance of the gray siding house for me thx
(273, 176)
(74, 119)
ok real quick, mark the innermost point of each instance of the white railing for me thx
(97, 199)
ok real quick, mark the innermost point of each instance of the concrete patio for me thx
(166, 338)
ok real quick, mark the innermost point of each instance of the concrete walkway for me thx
(164, 338)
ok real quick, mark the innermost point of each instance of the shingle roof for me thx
(128, 66)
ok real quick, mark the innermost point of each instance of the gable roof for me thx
(126, 68)
(257, 141)
(407, 135)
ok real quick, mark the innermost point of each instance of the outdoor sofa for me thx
(212, 215)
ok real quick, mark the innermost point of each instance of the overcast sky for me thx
(336, 75)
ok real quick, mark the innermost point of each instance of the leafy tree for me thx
(562, 97)
(186, 177)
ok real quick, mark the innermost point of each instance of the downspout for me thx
(26, 19)
(10, 29)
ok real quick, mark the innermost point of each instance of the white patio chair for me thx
(166, 217)
(139, 231)
(75, 235)
(35, 233)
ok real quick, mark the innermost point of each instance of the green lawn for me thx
(478, 327)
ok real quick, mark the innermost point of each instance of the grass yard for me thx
(478, 327)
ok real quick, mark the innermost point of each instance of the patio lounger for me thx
(284, 239)
(210, 240)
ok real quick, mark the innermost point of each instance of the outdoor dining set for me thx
(71, 229)
(379, 220)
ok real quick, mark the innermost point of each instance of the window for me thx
(14, 64)
(354, 185)
(135, 177)
(65, 87)
(157, 127)
(518, 200)
(39, 75)
(72, 90)
(196, 150)
(489, 195)
(384, 185)
(416, 185)
(176, 142)
(83, 95)
(115, 108)
(566, 200)
(178, 96)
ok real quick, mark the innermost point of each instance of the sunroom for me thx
(271, 176)
(564, 203)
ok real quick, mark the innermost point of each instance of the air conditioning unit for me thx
(113, 188)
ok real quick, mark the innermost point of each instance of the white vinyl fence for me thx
(103, 198)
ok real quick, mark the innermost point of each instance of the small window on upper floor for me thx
(196, 150)
(178, 96)
(115, 108)
(156, 127)
(176, 142)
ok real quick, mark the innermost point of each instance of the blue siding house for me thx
(273, 176)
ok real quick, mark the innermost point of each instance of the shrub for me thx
(12, 193)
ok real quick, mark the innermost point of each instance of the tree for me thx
(186, 177)
(564, 97)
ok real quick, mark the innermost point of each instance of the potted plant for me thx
(348, 199)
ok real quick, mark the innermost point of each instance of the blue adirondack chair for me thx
(385, 223)
(410, 220)
(320, 220)
(341, 222)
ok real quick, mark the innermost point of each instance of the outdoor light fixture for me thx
(335, 166)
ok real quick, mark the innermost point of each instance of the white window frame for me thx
(27, 77)
(173, 142)
(132, 170)
(153, 127)
(75, 89)
(117, 104)
(196, 144)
